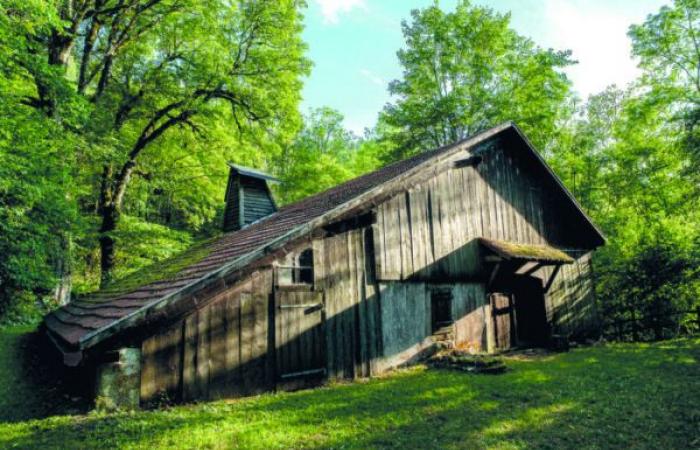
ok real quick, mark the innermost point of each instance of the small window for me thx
(441, 308)
(298, 268)
(304, 273)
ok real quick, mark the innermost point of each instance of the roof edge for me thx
(556, 178)
(253, 173)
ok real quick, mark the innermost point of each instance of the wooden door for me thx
(503, 315)
(299, 338)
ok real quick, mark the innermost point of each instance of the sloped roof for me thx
(254, 173)
(85, 322)
(526, 252)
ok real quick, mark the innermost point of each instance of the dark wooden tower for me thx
(248, 197)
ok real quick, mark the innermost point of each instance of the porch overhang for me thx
(522, 259)
(544, 255)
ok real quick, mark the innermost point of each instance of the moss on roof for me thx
(531, 252)
(161, 270)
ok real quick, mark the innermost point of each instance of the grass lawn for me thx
(616, 396)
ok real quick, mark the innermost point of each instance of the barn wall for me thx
(406, 318)
(428, 232)
(353, 336)
(472, 315)
(570, 302)
(405, 313)
(220, 350)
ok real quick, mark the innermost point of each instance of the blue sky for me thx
(353, 45)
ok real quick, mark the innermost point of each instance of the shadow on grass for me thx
(33, 382)
(609, 397)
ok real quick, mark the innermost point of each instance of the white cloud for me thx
(598, 38)
(331, 9)
(373, 77)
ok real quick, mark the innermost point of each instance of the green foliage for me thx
(323, 155)
(668, 49)
(628, 157)
(600, 397)
(118, 119)
(38, 211)
(465, 71)
(172, 252)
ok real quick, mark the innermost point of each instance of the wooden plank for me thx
(502, 206)
(260, 312)
(405, 237)
(189, 362)
(348, 311)
(379, 245)
(357, 267)
(361, 324)
(435, 231)
(417, 232)
(232, 346)
(483, 194)
(149, 369)
(203, 353)
(513, 234)
(217, 350)
(247, 321)
(174, 339)
(392, 239)
(330, 298)
(451, 227)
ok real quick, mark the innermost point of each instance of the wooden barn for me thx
(476, 243)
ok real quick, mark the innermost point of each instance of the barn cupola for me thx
(248, 197)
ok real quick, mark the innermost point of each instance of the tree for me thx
(467, 70)
(146, 68)
(668, 47)
(621, 162)
(319, 157)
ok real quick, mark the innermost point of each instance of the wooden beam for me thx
(529, 268)
(551, 278)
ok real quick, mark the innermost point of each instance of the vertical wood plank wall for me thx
(570, 302)
(428, 232)
(220, 350)
(353, 333)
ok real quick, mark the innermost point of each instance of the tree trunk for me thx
(110, 218)
(63, 270)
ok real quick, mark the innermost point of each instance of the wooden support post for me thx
(550, 281)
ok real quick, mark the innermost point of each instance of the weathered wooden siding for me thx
(570, 302)
(375, 286)
(353, 334)
(405, 315)
(257, 201)
(220, 350)
(472, 315)
(406, 321)
(428, 232)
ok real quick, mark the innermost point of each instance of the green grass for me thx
(617, 396)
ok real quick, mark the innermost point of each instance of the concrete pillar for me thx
(118, 381)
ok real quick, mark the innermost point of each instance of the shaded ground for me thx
(617, 396)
